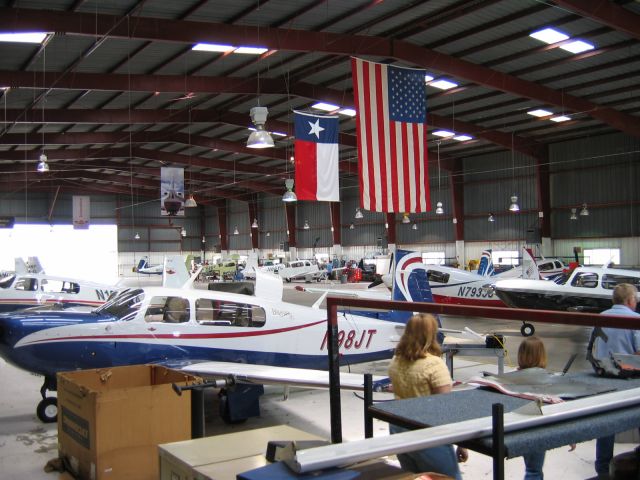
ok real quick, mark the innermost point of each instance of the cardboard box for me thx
(111, 420)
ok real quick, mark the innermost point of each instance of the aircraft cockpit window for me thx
(438, 277)
(543, 267)
(123, 305)
(558, 264)
(7, 281)
(27, 284)
(225, 313)
(609, 281)
(585, 280)
(168, 310)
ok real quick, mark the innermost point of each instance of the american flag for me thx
(391, 123)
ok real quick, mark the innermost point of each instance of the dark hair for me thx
(419, 338)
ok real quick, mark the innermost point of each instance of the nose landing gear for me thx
(47, 410)
(527, 329)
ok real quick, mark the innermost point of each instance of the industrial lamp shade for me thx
(260, 138)
(289, 195)
(352, 227)
(359, 214)
(405, 218)
(439, 209)
(573, 214)
(306, 225)
(414, 226)
(585, 211)
(190, 202)
(43, 166)
(183, 232)
(255, 223)
(491, 218)
(514, 207)
(235, 230)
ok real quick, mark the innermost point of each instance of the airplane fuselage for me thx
(216, 326)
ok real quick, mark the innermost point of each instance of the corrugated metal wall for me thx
(602, 172)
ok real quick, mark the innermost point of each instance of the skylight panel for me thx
(549, 35)
(327, 107)
(251, 50)
(443, 84)
(443, 133)
(26, 37)
(540, 113)
(212, 47)
(577, 46)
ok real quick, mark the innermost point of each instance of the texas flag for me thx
(316, 155)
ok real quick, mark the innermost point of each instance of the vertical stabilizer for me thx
(175, 273)
(485, 267)
(20, 267)
(529, 265)
(410, 282)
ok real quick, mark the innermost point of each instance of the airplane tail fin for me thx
(34, 265)
(141, 264)
(175, 273)
(20, 266)
(252, 262)
(410, 282)
(485, 267)
(529, 265)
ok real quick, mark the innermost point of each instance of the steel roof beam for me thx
(300, 40)
(607, 13)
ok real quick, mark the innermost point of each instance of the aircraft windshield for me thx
(124, 305)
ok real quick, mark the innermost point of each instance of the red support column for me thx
(390, 218)
(291, 223)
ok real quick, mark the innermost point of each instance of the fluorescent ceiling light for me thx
(560, 118)
(327, 107)
(279, 134)
(348, 111)
(428, 78)
(577, 46)
(549, 35)
(462, 138)
(443, 133)
(251, 50)
(540, 113)
(443, 84)
(212, 47)
(32, 37)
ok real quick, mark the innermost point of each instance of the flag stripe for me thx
(392, 155)
(307, 169)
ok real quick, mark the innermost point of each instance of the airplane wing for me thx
(353, 293)
(268, 375)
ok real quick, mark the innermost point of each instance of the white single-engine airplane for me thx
(39, 289)
(178, 327)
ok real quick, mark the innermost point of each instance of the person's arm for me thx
(442, 389)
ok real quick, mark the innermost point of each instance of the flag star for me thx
(315, 128)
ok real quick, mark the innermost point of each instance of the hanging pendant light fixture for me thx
(183, 232)
(306, 225)
(584, 212)
(43, 166)
(260, 138)
(359, 214)
(414, 226)
(439, 209)
(289, 195)
(405, 218)
(573, 214)
(268, 234)
(190, 202)
(352, 227)
(255, 223)
(491, 218)
(514, 207)
(235, 230)
(136, 236)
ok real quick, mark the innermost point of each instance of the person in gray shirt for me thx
(615, 340)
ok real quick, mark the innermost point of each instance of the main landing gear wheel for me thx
(47, 410)
(527, 330)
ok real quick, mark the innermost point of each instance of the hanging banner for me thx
(172, 192)
(81, 211)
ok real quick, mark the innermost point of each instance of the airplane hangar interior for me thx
(376, 239)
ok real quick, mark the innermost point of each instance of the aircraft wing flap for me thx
(269, 375)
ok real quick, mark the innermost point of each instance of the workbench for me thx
(461, 405)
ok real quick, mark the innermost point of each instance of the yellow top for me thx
(418, 378)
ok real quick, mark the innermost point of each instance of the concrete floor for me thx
(26, 444)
